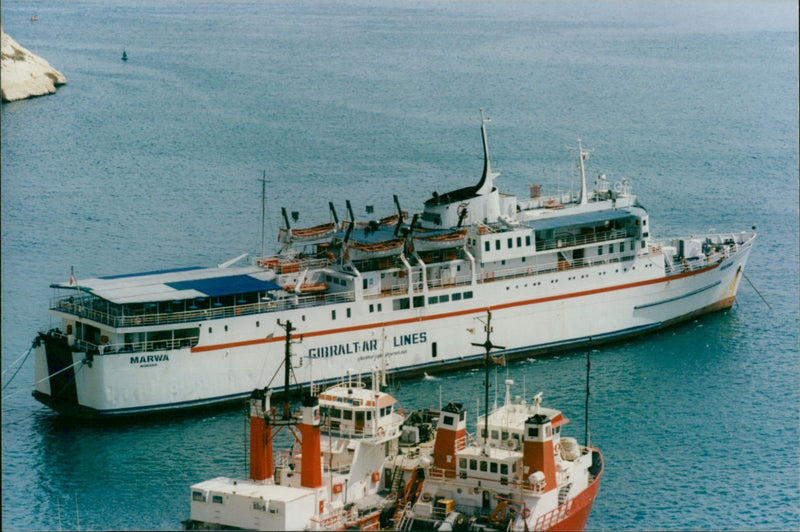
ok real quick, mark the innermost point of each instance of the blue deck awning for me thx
(225, 286)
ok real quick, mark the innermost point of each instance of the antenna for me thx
(586, 411)
(263, 212)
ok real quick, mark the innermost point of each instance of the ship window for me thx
(448, 419)
(527, 240)
(505, 435)
(644, 222)
(484, 465)
(333, 314)
(419, 301)
(497, 244)
(643, 243)
(336, 412)
(611, 248)
(621, 247)
(462, 463)
(226, 328)
(323, 411)
(444, 298)
(216, 499)
(347, 414)
(369, 415)
(486, 245)
(258, 324)
(468, 295)
(348, 312)
(456, 297)
(510, 243)
(433, 300)
(400, 304)
(504, 469)
(533, 432)
(493, 467)
(433, 350)
(519, 241)
(209, 330)
(473, 464)
(380, 307)
(260, 505)
(198, 496)
(495, 435)
(372, 308)
(365, 284)
(600, 250)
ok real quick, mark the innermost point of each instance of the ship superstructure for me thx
(557, 271)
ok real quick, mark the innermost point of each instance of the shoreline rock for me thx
(24, 74)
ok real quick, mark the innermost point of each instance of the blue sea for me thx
(156, 163)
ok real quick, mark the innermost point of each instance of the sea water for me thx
(155, 163)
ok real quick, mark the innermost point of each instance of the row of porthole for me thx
(585, 276)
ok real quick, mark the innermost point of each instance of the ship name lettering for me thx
(145, 359)
(408, 339)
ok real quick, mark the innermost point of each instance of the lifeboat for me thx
(375, 250)
(450, 239)
(309, 233)
(308, 288)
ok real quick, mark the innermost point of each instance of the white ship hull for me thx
(532, 314)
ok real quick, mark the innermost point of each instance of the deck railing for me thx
(83, 307)
(569, 241)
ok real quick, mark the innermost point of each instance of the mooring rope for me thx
(28, 352)
(44, 379)
(756, 289)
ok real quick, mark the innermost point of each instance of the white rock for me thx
(25, 74)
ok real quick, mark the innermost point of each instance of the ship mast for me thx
(488, 346)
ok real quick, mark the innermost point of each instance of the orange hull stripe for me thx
(444, 315)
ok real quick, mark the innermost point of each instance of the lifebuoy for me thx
(381, 432)
(426, 497)
(557, 448)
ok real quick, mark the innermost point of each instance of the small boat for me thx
(439, 240)
(309, 233)
(307, 288)
(34, 18)
(124, 55)
(375, 250)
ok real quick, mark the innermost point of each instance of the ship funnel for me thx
(537, 453)
(311, 459)
(451, 434)
(261, 467)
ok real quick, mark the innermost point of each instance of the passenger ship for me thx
(556, 271)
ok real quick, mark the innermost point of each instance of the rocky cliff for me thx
(23, 74)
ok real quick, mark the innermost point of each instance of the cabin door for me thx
(359, 422)
(487, 500)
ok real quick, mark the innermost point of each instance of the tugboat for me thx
(518, 473)
(336, 475)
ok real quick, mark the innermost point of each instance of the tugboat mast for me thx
(488, 346)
